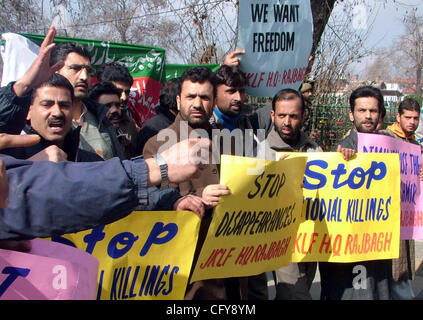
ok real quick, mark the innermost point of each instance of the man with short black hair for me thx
(49, 113)
(97, 133)
(403, 268)
(293, 282)
(195, 104)
(166, 112)
(366, 106)
(120, 77)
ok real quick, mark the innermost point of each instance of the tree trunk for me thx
(419, 79)
(321, 11)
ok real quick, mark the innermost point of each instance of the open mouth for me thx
(56, 125)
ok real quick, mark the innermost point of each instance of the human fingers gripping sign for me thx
(190, 203)
(212, 193)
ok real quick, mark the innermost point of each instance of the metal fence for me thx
(330, 122)
(330, 119)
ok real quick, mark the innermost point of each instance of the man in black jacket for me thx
(50, 116)
(166, 112)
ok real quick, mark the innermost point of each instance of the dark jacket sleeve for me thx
(350, 141)
(13, 110)
(49, 199)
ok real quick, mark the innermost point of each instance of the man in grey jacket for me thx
(293, 282)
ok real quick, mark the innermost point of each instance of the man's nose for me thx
(286, 121)
(115, 108)
(83, 74)
(55, 110)
(124, 98)
(197, 102)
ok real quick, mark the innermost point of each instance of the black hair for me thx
(200, 75)
(409, 104)
(168, 92)
(367, 92)
(100, 88)
(57, 81)
(288, 94)
(230, 76)
(62, 49)
(115, 72)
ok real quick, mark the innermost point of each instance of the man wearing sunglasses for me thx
(109, 95)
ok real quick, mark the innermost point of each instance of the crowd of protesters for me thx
(87, 133)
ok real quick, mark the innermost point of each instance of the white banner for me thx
(277, 37)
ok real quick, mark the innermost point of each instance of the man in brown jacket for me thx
(195, 104)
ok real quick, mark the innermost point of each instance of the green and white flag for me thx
(146, 65)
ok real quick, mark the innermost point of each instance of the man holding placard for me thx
(293, 282)
(403, 268)
(337, 279)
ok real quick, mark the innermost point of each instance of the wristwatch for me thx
(163, 170)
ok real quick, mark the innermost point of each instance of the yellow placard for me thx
(351, 209)
(146, 255)
(253, 229)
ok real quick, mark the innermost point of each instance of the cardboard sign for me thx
(411, 186)
(277, 39)
(146, 255)
(351, 209)
(253, 230)
(50, 271)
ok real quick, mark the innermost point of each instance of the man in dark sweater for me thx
(166, 112)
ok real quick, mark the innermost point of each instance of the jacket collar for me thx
(277, 143)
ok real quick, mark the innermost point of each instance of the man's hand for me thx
(421, 173)
(184, 160)
(52, 153)
(232, 59)
(40, 69)
(212, 193)
(347, 153)
(190, 203)
(17, 141)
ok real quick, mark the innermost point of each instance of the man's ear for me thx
(398, 117)
(351, 116)
(272, 115)
(178, 102)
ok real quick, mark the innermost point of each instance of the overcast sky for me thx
(386, 24)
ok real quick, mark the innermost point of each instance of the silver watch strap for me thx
(163, 170)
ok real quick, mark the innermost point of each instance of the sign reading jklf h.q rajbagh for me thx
(277, 39)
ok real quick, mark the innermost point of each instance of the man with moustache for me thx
(120, 77)
(108, 94)
(366, 104)
(228, 111)
(293, 282)
(195, 104)
(97, 133)
(50, 116)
